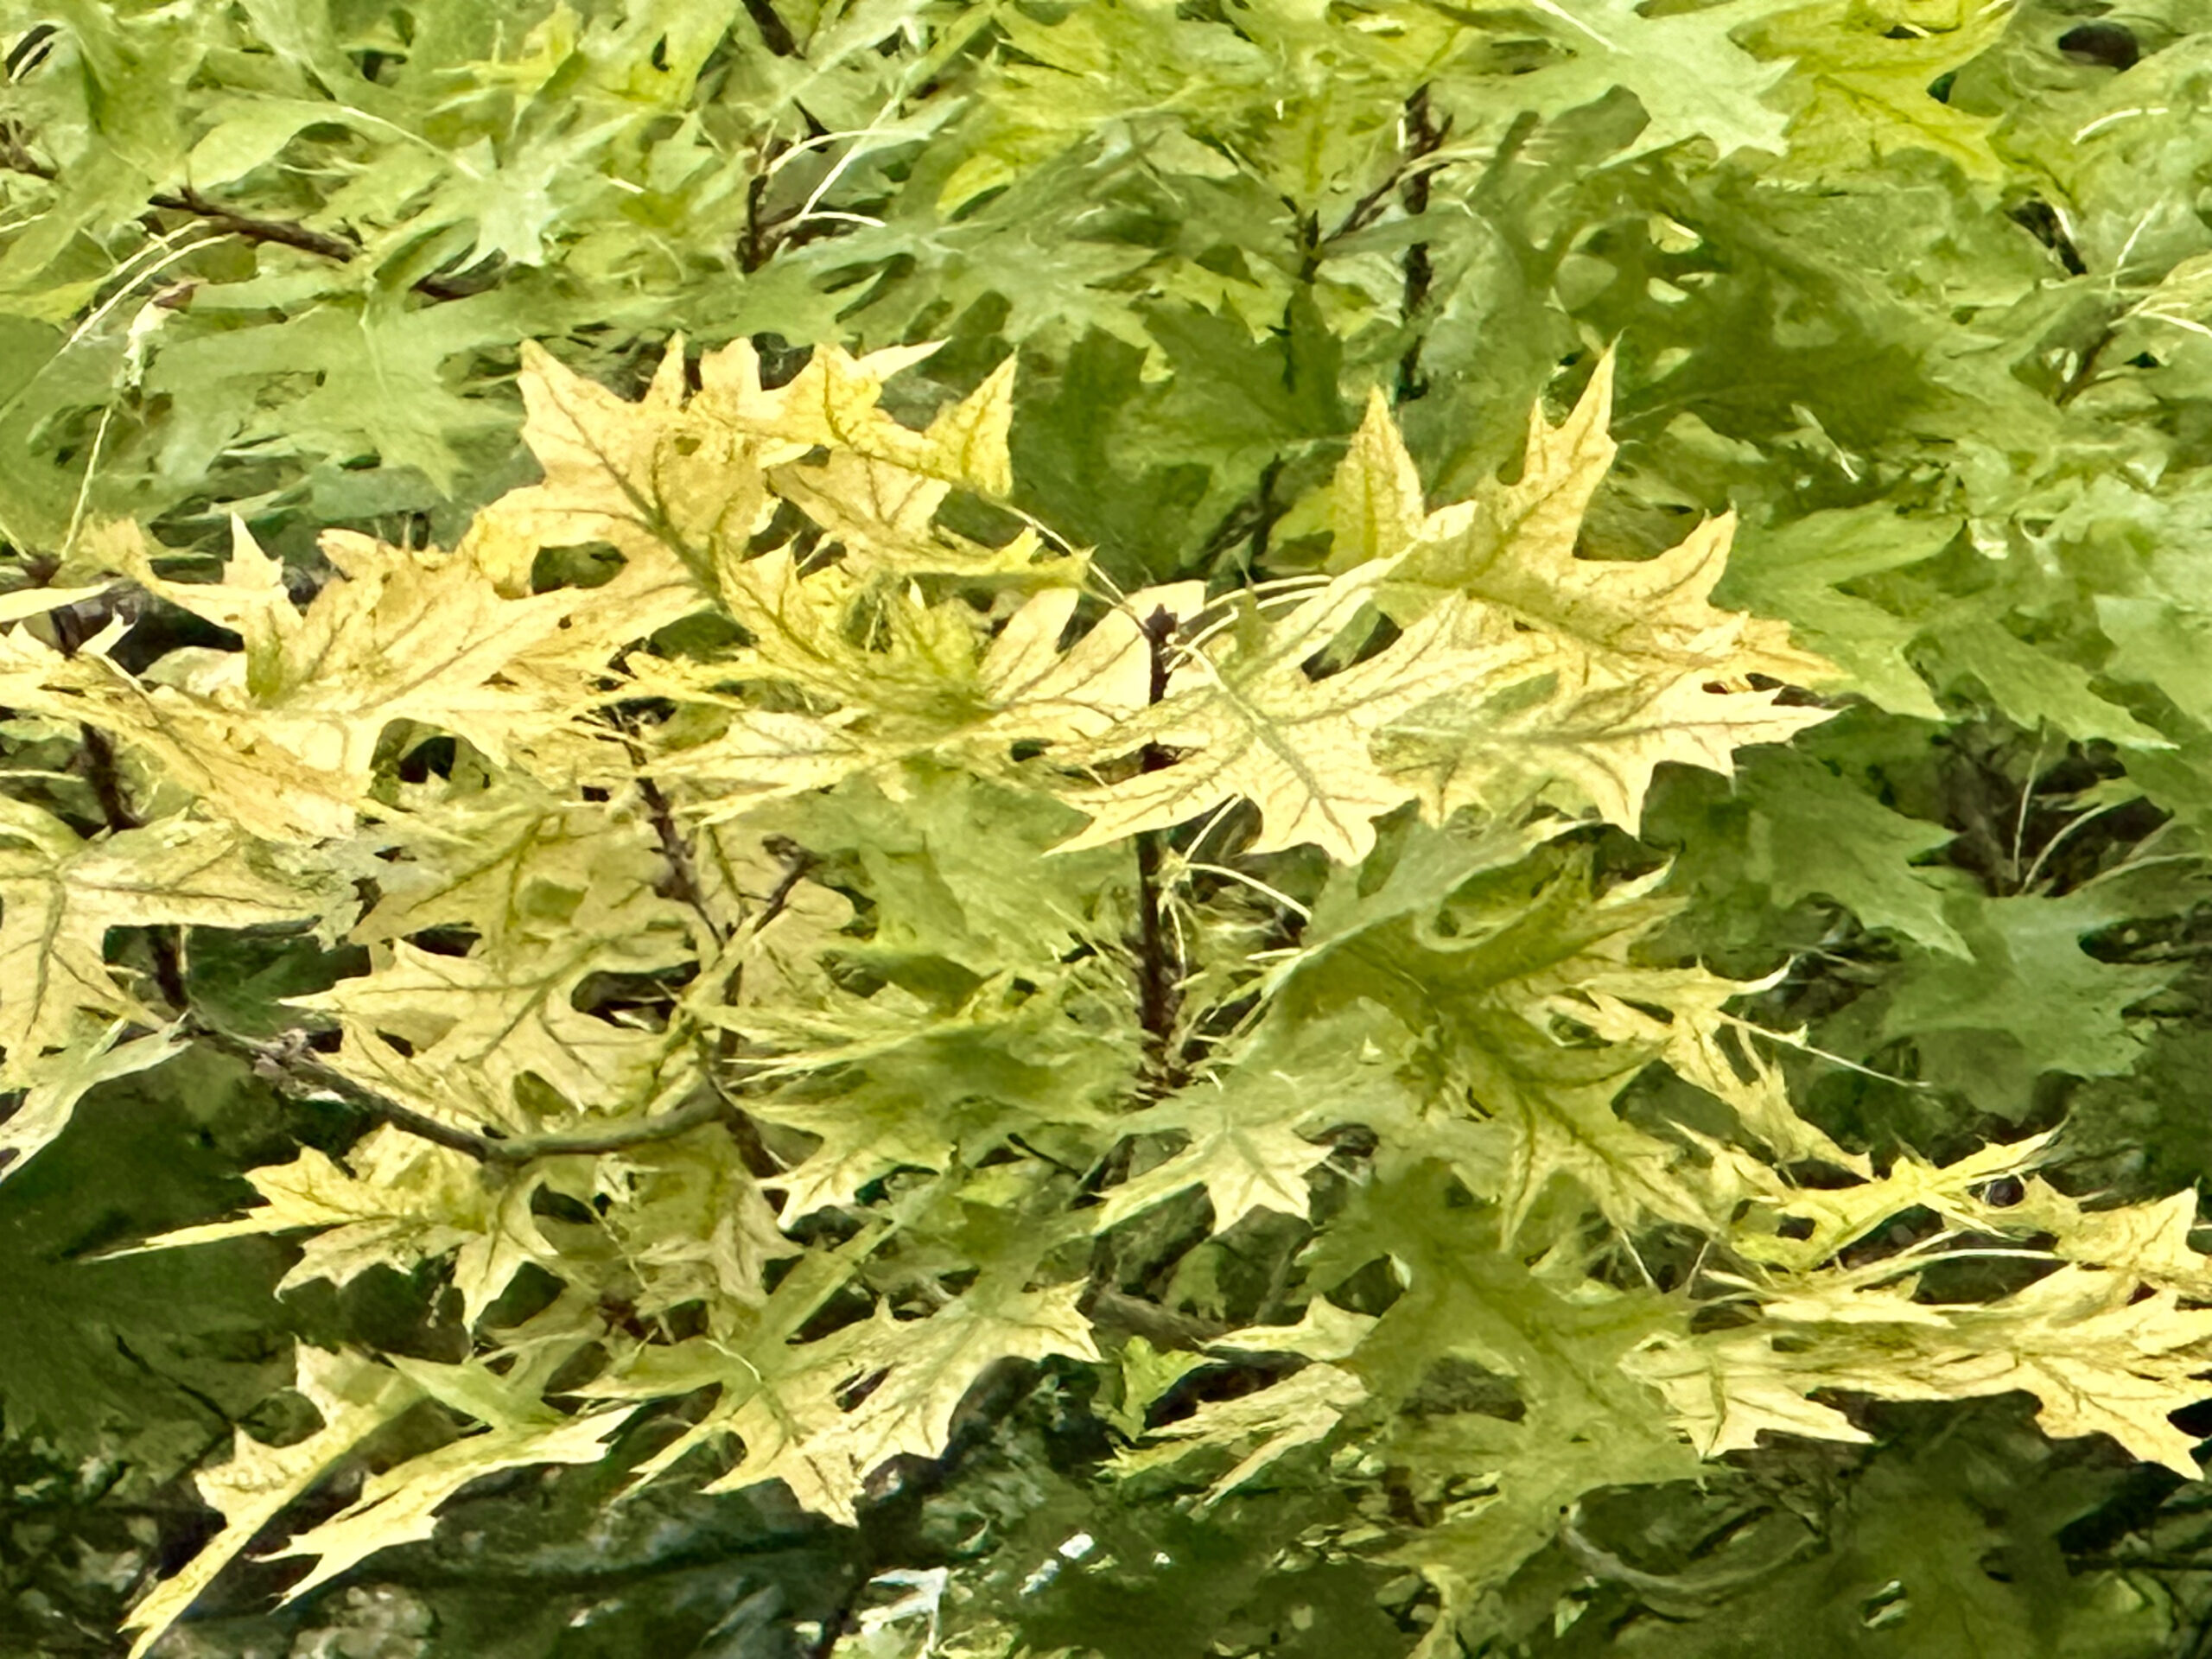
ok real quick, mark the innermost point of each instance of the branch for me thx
(286, 1063)
(1163, 1327)
(1427, 137)
(683, 873)
(105, 777)
(285, 232)
(1252, 521)
(1158, 994)
(775, 33)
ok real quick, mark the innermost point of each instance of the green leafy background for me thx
(1920, 290)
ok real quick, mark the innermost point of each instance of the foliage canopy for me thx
(890, 821)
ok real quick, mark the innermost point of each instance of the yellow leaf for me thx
(1255, 725)
(353, 1398)
(58, 896)
(404, 1201)
(794, 1429)
(54, 1082)
(400, 1505)
(503, 1013)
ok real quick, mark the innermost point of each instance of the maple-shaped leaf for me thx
(1580, 729)
(1243, 1165)
(1817, 833)
(1037, 691)
(794, 1430)
(511, 862)
(401, 634)
(1256, 724)
(1525, 986)
(400, 1506)
(60, 894)
(2147, 1242)
(353, 1398)
(834, 401)
(397, 1201)
(646, 477)
(1607, 668)
(663, 479)
(2099, 1358)
(1261, 1426)
(2032, 685)
(54, 1082)
(700, 1232)
(1515, 547)
(1801, 1228)
(1691, 79)
(1725, 1390)
(195, 744)
(1859, 90)
(1241, 1124)
(2029, 984)
(505, 1012)
(1563, 1416)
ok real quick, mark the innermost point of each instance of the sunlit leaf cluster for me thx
(1005, 827)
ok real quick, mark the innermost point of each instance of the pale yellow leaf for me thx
(54, 1082)
(259, 1482)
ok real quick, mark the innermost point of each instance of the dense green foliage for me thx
(1088, 991)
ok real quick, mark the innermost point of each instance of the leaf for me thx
(1305, 1407)
(400, 1506)
(1258, 727)
(2033, 686)
(1858, 90)
(2096, 1362)
(1796, 570)
(1242, 1141)
(60, 895)
(400, 635)
(2028, 978)
(507, 1012)
(1683, 67)
(402, 1201)
(353, 1399)
(1816, 834)
(54, 1082)
(1724, 1391)
(794, 1430)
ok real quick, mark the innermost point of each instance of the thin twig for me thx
(104, 775)
(775, 33)
(1426, 135)
(682, 871)
(1425, 139)
(1159, 971)
(289, 1066)
(283, 233)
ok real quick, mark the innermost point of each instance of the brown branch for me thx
(287, 1063)
(1159, 995)
(1163, 1327)
(764, 1164)
(682, 871)
(775, 33)
(1252, 521)
(284, 233)
(1427, 137)
(2086, 370)
(104, 775)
